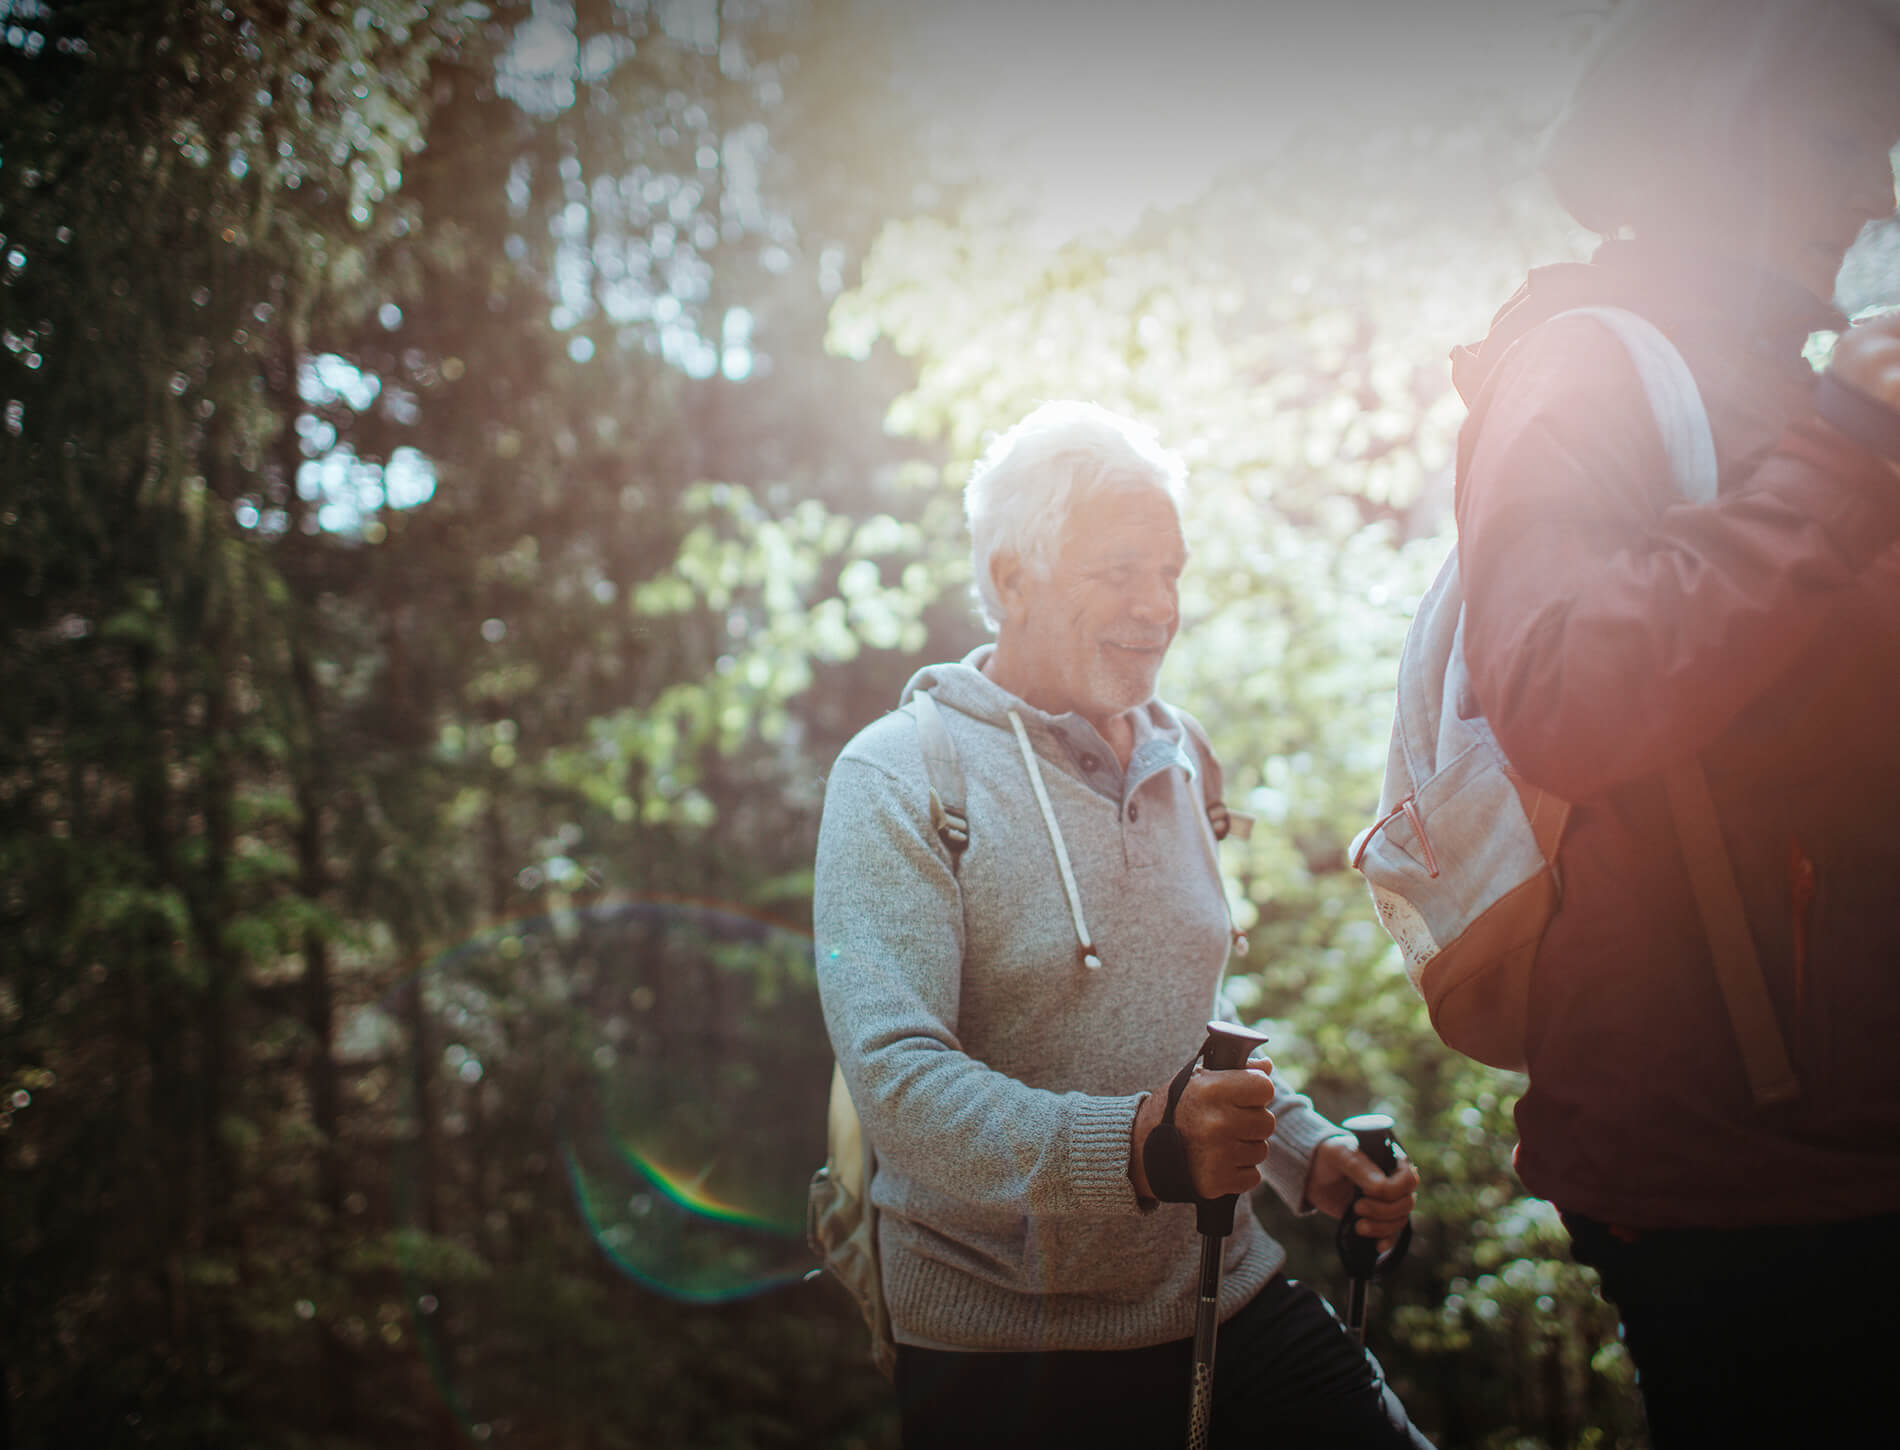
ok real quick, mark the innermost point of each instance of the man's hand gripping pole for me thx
(1359, 1254)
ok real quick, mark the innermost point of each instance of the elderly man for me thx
(1008, 1013)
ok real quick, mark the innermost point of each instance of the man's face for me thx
(1095, 631)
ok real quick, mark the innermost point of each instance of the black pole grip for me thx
(1360, 1255)
(1374, 1132)
(1228, 1047)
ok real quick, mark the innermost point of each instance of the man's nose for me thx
(1153, 599)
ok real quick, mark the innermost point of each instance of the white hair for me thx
(1056, 462)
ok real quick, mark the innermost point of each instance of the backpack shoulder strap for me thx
(945, 771)
(1674, 398)
(1771, 1077)
(1224, 822)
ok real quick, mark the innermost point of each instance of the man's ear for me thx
(1006, 574)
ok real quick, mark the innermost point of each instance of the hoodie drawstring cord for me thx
(1089, 959)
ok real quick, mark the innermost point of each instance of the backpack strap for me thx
(945, 771)
(1221, 821)
(1683, 421)
(1681, 417)
(1238, 824)
(1771, 1078)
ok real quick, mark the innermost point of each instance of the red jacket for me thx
(1610, 631)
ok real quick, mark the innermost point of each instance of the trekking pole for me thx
(1227, 1047)
(1359, 1254)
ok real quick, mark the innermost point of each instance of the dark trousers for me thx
(1782, 1336)
(1285, 1373)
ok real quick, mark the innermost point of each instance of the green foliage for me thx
(277, 733)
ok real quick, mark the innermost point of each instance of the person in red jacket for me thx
(1731, 151)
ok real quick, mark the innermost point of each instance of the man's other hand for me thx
(1386, 1199)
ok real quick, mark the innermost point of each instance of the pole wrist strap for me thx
(1164, 1156)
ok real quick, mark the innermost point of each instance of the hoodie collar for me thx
(1160, 741)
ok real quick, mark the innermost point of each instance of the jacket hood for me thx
(1673, 288)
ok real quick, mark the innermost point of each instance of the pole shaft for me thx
(1227, 1047)
(1356, 1310)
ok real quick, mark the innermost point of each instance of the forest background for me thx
(466, 468)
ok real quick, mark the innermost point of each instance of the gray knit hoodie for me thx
(997, 1075)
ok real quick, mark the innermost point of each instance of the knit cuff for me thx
(1100, 1136)
(1296, 1133)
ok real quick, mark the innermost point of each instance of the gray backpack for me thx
(1462, 858)
(840, 1221)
